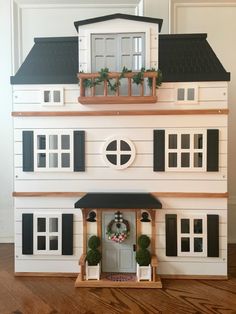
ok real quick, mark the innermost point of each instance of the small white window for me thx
(192, 236)
(118, 153)
(185, 150)
(186, 94)
(47, 234)
(53, 150)
(53, 97)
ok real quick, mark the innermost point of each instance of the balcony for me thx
(125, 93)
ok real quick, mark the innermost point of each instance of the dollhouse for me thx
(116, 157)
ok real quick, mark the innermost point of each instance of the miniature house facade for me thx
(157, 156)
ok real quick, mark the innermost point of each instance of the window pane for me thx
(124, 159)
(112, 159)
(124, 146)
(198, 141)
(41, 225)
(172, 160)
(185, 160)
(198, 245)
(56, 96)
(41, 160)
(137, 61)
(65, 142)
(191, 93)
(185, 244)
(65, 160)
(53, 243)
(41, 243)
(197, 160)
(53, 224)
(53, 142)
(112, 146)
(47, 96)
(185, 141)
(172, 141)
(53, 160)
(185, 226)
(197, 225)
(41, 142)
(137, 44)
(180, 95)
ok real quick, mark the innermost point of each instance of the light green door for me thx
(118, 257)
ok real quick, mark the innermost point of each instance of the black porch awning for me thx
(119, 201)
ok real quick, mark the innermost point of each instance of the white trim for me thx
(186, 86)
(7, 240)
(118, 152)
(52, 102)
(191, 150)
(47, 234)
(59, 151)
(176, 4)
(191, 235)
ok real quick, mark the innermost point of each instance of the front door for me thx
(118, 257)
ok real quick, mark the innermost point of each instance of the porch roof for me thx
(119, 201)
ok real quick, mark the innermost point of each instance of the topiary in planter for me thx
(143, 256)
(94, 255)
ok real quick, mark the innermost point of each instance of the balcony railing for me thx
(145, 95)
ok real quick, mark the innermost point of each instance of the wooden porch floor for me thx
(106, 283)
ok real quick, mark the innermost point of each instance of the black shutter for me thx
(67, 234)
(213, 150)
(213, 235)
(27, 233)
(171, 235)
(28, 151)
(159, 150)
(79, 151)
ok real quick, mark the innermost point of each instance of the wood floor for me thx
(58, 295)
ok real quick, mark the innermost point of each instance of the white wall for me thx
(6, 165)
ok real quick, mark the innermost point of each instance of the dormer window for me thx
(53, 97)
(186, 94)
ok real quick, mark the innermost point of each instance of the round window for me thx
(118, 153)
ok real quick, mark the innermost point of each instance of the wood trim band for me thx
(41, 274)
(157, 194)
(193, 277)
(118, 113)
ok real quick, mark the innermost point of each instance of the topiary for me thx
(93, 255)
(143, 256)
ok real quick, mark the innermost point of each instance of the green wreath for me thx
(120, 235)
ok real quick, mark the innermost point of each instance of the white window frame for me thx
(118, 152)
(191, 235)
(47, 234)
(52, 102)
(186, 100)
(58, 151)
(190, 150)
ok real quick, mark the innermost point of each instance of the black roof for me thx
(51, 61)
(189, 58)
(119, 16)
(182, 58)
(119, 201)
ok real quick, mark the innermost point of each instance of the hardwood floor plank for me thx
(42, 295)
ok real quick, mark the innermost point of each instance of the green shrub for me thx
(94, 242)
(143, 257)
(93, 257)
(144, 241)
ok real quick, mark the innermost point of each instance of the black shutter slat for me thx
(79, 151)
(213, 150)
(27, 233)
(171, 235)
(159, 150)
(67, 234)
(213, 235)
(28, 151)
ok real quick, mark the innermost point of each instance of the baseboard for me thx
(6, 240)
(193, 277)
(34, 274)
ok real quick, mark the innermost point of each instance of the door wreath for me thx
(120, 235)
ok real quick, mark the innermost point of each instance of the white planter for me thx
(144, 272)
(92, 272)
